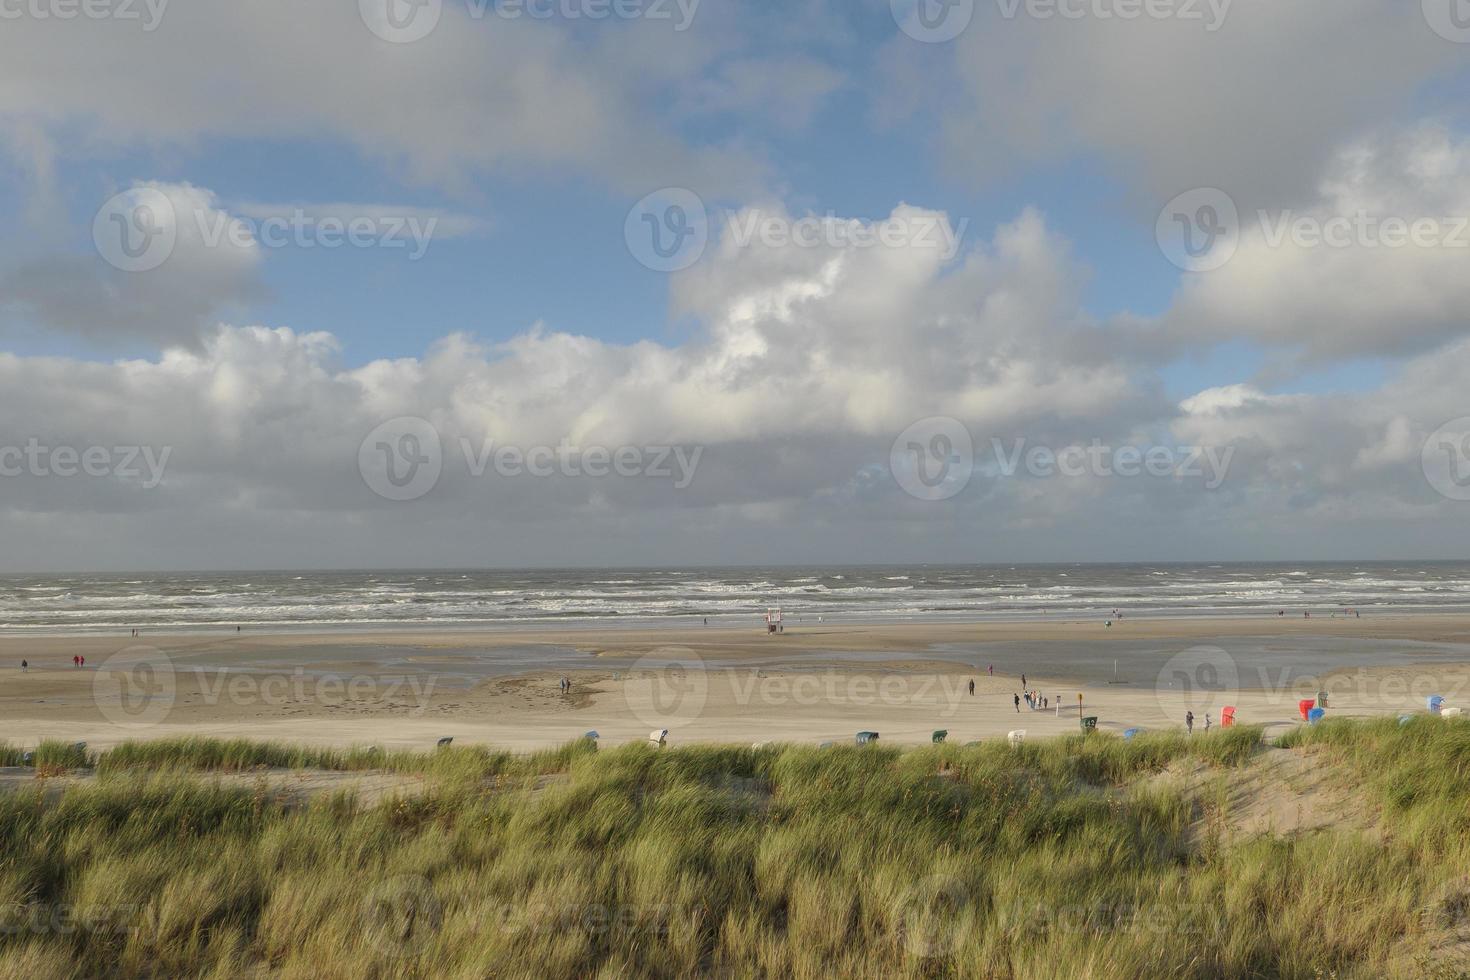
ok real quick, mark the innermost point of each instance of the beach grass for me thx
(50, 756)
(186, 754)
(1063, 857)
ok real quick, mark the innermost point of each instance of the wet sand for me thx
(810, 684)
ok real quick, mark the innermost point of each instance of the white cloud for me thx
(476, 96)
(787, 396)
(812, 361)
(197, 271)
(1354, 280)
(1254, 107)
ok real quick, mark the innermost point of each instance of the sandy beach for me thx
(810, 684)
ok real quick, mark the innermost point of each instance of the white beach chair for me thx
(1451, 712)
(1016, 737)
(659, 737)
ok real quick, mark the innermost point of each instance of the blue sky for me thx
(498, 282)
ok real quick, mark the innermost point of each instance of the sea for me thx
(475, 599)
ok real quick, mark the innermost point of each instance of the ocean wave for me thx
(329, 600)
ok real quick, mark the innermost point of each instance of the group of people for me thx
(1035, 700)
(78, 661)
(1189, 722)
(1306, 614)
(566, 685)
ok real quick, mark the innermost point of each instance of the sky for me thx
(463, 283)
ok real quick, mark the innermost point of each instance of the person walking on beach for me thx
(1023, 680)
(1207, 721)
(990, 670)
(972, 687)
(76, 661)
(1189, 722)
(25, 668)
(82, 661)
(1017, 699)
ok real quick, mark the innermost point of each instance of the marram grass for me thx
(1060, 859)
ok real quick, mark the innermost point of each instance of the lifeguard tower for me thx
(774, 622)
